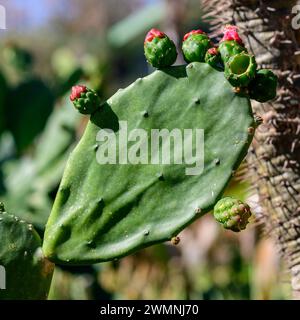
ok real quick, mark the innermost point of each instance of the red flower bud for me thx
(230, 33)
(154, 33)
(213, 51)
(77, 91)
(193, 32)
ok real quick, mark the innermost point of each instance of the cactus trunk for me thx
(274, 161)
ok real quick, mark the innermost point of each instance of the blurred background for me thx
(47, 47)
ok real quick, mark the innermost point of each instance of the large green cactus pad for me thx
(103, 212)
(27, 273)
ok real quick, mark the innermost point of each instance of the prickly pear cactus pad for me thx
(106, 211)
(27, 273)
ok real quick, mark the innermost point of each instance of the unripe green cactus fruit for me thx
(229, 49)
(160, 50)
(195, 45)
(27, 273)
(233, 214)
(263, 87)
(231, 43)
(240, 69)
(213, 58)
(85, 100)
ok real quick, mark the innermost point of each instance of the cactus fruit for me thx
(240, 69)
(85, 100)
(264, 86)
(231, 43)
(233, 214)
(213, 58)
(229, 49)
(160, 51)
(27, 273)
(195, 45)
(104, 210)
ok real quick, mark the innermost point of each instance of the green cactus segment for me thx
(160, 50)
(240, 69)
(27, 273)
(213, 58)
(30, 100)
(106, 211)
(264, 86)
(195, 47)
(32, 201)
(229, 49)
(85, 100)
(233, 214)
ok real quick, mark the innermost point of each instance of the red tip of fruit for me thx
(154, 33)
(230, 33)
(77, 91)
(213, 51)
(193, 32)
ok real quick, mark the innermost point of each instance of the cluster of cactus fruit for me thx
(230, 56)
